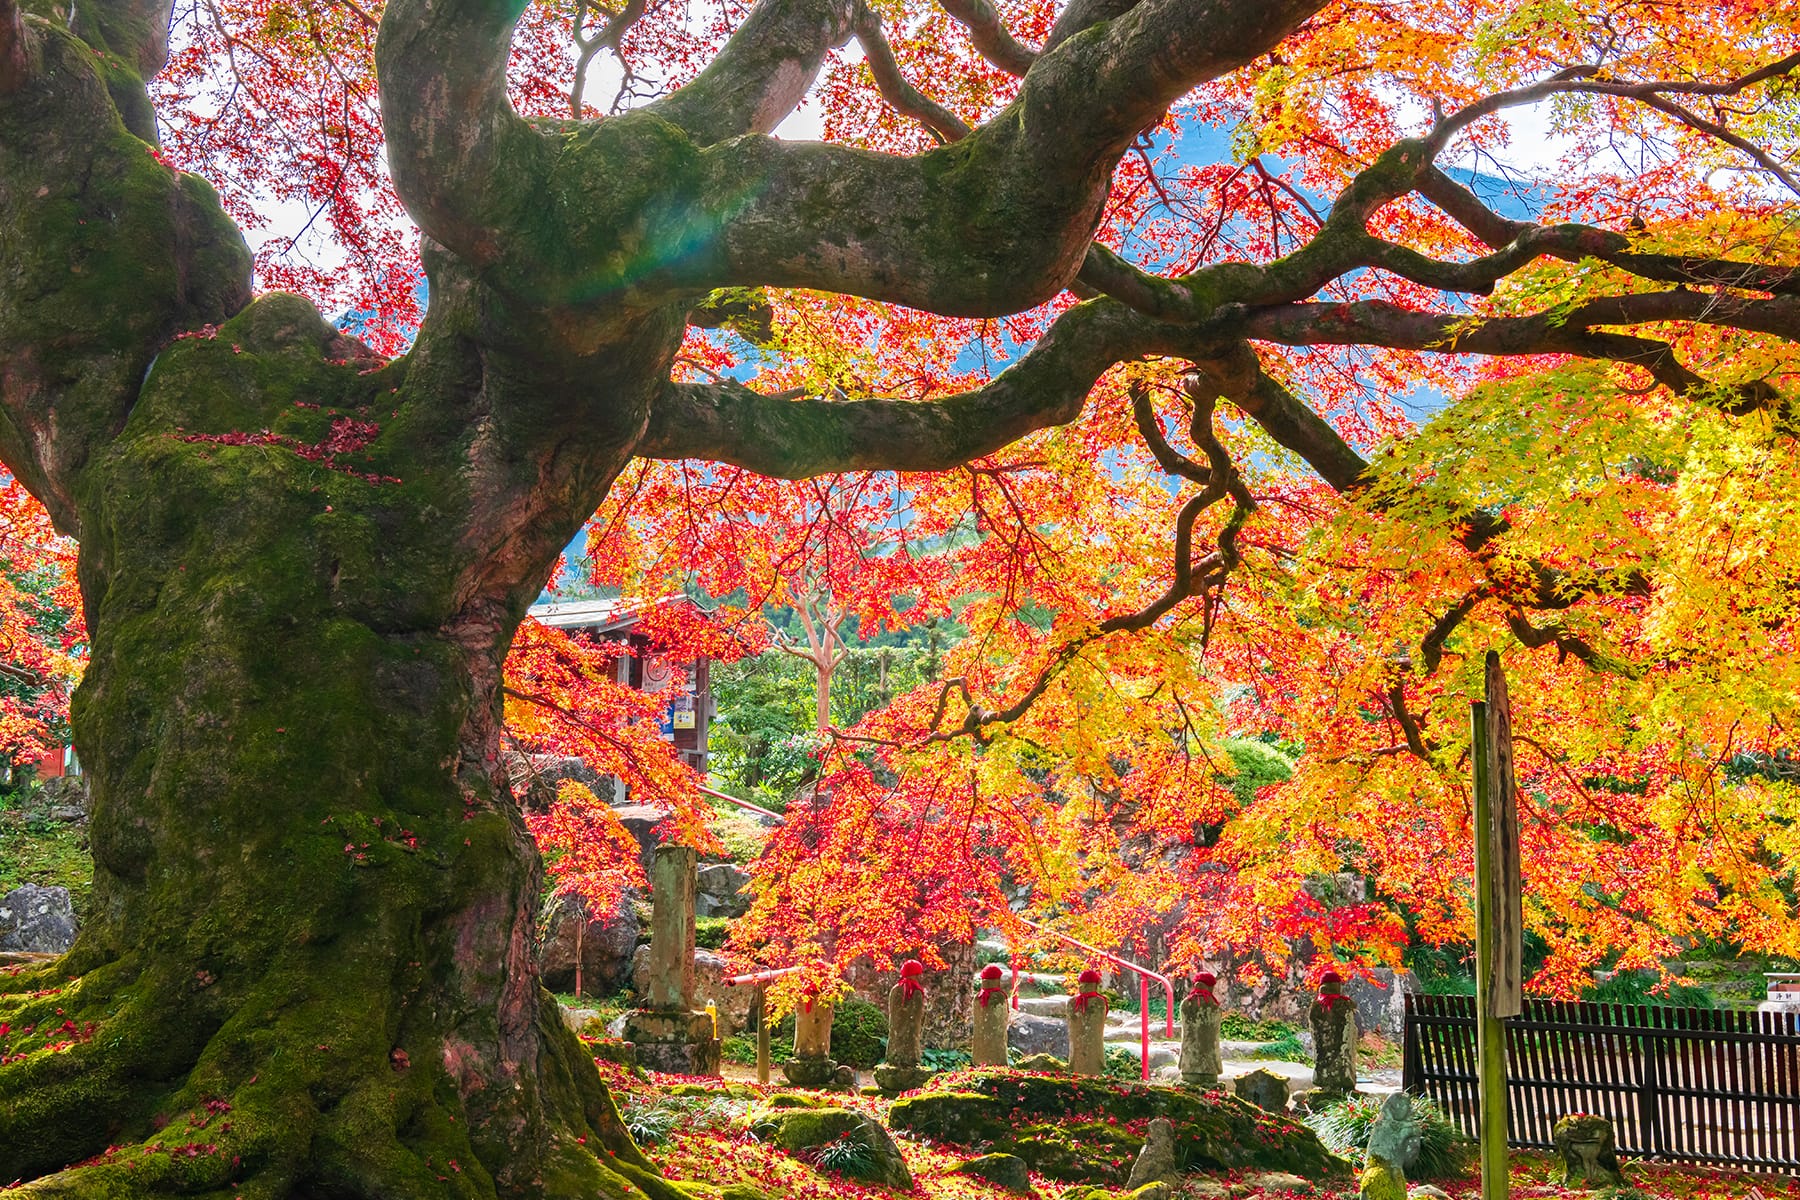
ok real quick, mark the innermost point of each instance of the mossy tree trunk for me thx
(309, 965)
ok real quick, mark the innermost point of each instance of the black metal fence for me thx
(1683, 1084)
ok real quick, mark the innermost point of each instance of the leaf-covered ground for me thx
(695, 1130)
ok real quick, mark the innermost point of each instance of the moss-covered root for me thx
(128, 1082)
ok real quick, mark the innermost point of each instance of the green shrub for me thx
(1286, 1048)
(1121, 1063)
(859, 1034)
(710, 932)
(933, 1059)
(740, 1048)
(847, 1154)
(1240, 1028)
(1443, 1150)
(1639, 987)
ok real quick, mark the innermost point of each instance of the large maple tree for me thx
(308, 969)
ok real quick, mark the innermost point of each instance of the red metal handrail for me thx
(758, 809)
(758, 978)
(1144, 974)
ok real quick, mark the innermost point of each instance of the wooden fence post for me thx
(1490, 1036)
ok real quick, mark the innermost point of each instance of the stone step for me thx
(1044, 1006)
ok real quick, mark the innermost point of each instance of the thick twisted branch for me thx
(993, 41)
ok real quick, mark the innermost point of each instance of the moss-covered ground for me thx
(698, 1132)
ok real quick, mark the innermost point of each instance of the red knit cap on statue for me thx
(992, 971)
(912, 966)
(1090, 976)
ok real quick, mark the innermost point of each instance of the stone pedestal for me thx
(811, 1065)
(667, 1033)
(1393, 1145)
(1201, 1019)
(1087, 1027)
(992, 1011)
(1333, 1020)
(906, 1032)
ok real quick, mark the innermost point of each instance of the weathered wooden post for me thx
(759, 1004)
(1499, 961)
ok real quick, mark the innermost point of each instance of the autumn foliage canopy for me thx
(1536, 395)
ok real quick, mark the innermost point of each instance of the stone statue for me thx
(906, 1032)
(1586, 1155)
(811, 1065)
(1201, 1018)
(1333, 1020)
(1393, 1143)
(1087, 1027)
(991, 1016)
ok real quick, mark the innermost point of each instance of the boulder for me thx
(640, 821)
(1007, 1172)
(1041, 1062)
(1263, 1088)
(1038, 1035)
(1426, 1191)
(1156, 1161)
(37, 920)
(799, 1130)
(1079, 1129)
(605, 947)
(721, 890)
(1381, 1001)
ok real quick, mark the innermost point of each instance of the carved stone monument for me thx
(1393, 1142)
(666, 1031)
(1333, 1020)
(1087, 1026)
(1586, 1154)
(906, 1032)
(991, 1015)
(1201, 1020)
(811, 1065)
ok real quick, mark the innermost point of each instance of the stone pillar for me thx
(672, 928)
(811, 1065)
(1333, 1020)
(991, 1016)
(1201, 1018)
(1087, 1027)
(906, 1032)
(668, 1034)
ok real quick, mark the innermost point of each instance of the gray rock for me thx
(1038, 1035)
(1005, 1171)
(37, 920)
(1381, 1001)
(605, 947)
(575, 1018)
(1263, 1088)
(1156, 1161)
(1426, 1191)
(640, 821)
(721, 890)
